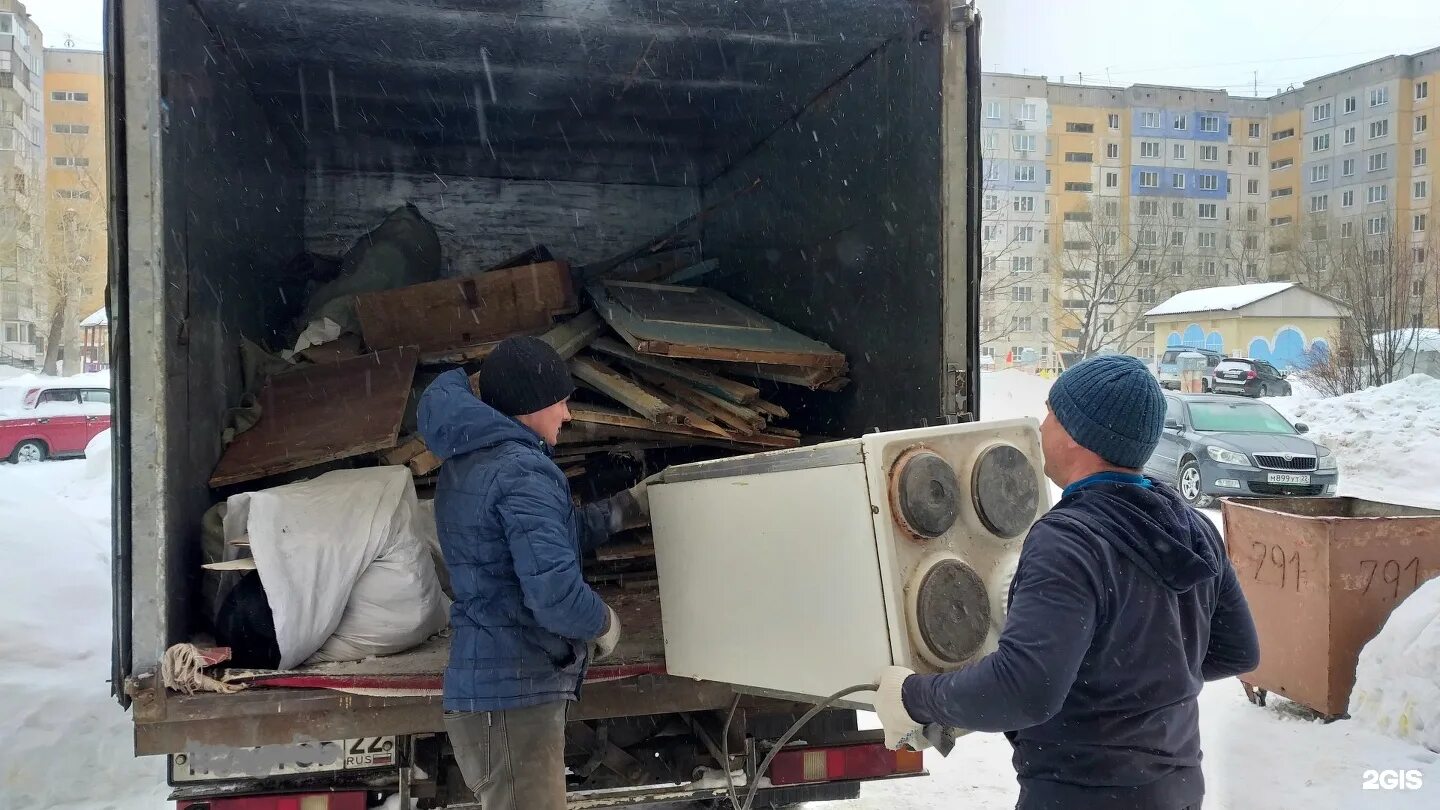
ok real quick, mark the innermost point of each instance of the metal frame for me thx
(804, 458)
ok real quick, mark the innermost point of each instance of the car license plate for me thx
(1283, 478)
(205, 764)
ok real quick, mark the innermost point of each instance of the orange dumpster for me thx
(1322, 576)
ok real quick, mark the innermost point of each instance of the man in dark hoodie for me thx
(524, 619)
(1124, 603)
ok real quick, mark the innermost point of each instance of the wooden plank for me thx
(771, 409)
(575, 334)
(736, 392)
(693, 416)
(444, 315)
(805, 377)
(702, 324)
(425, 463)
(739, 416)
(622, 389)
(694, 271)
(460, 356)
(341, 348)
(402, 453)
(573, 472)
(628, 551)
(592, 423)
(322, 413)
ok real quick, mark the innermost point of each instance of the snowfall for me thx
(67, 744)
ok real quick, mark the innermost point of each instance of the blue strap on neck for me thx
(1106, 478)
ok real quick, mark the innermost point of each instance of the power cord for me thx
(784, 740)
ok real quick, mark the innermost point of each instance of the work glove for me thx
(630, 509)
(900, 728)
(609, 637)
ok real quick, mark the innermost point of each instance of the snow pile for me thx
(1386, 440)
(1219, 299)
(67, 743)
(1397, 682)
(97, 457)
(1011, 393)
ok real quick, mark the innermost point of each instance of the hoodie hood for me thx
(454, 421)
(1154, 528)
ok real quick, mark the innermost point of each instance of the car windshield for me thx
(1170, 357)
(1237, 417)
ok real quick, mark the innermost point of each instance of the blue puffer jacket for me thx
(523, 615)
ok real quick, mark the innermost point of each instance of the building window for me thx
(1024, 204)
(1422, 90)
(992, 140)
(1283, 134)
(992, 232)
(1209, 268)
(1320, 112)
(1181, 122)
(1280, 221)
(1319, 202)
(1253, 159)
(1379, 96)
(992, 110)
(1252, 270)
(1347, 230)
(1377, 194)
(1177, 267)
(1208, 211)
(1112, 180)
(1029, 111)
(1283, 163)
(1422, 189)
(1022, 295)
(1252, 214)
(1079, 216)
(1281, 192)
(1177, 209)
(1150, 120)
(1112, 238)
(78, 162)
(1047, 178)
(1422, 123)
(1254, 130)
(69, 96)
(1023, 143)
(1147, 180)
(1149, 208)
(1348, 136)
(1150, 149)
(1072, 126)
(1177, 181)
(1347, 167)
(1347, 199)
(72, 129)
(992, 170)
(1252, 186)
(1020, 324)
(1177, 239)
(1079, 157)
(1079, 186)
(1112, 151)
(1209, 182)
(1024, 233)
(1112, 208)
(1209, 153)
(1379, 129)
(1419, 223)
(1319, 233)
(1114, 120)
(1377, 225)
(1252, 241)
(1179, 151)
(1420, 156)
(1024, 174)
(1209, 123)
(1022, 264)
(1378, 162)
(1149, 238)
(1319, 174)
(72, 194)
(1207, 239)
(1320, 143)
(992, 202)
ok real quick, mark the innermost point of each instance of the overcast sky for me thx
(1224, 44)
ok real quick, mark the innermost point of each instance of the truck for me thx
(829, 151)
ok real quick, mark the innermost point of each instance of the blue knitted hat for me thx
(1112, 406)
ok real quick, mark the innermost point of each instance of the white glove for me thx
(606, 643)
(900, 728)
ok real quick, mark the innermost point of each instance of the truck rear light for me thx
(354, 800)
(871, 761)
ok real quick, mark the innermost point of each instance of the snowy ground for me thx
(67, 745)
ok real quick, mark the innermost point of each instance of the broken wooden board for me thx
(341, 348)
(739, 417)
(321, 413)
(425, 463)
(623, 390)
(736, 392)
(591, 424)
(403, 452)
(461, 356)
(805, 377)
(770, 409)
(568, 338)
(701, 324)
(446, 315)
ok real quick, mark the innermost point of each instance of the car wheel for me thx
(1191, 485)
(29, 452)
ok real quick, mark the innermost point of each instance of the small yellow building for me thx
(1278, 322)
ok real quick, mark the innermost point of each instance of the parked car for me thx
(1168, 369)
(1216, 445)
(51, 421)
(1251, 378)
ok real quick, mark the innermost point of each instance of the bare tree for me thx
(67, 251)
(1244, 245)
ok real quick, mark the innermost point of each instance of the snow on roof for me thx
(1414, 340)
(1219, 299)
(98, 318)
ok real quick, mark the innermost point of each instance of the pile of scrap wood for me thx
(660, 365)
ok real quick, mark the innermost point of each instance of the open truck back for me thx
(246, 133)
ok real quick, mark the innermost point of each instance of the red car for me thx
(51, 420)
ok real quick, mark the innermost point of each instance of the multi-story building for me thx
(1150, 190)
(22, 122)
(74, 253)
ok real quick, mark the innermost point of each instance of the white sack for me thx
(345, 570)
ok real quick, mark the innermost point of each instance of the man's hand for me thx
(631, 509)
(900, 727)
(610, 637)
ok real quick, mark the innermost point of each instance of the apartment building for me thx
(74, 252)
(1150, 190)
(22, 123)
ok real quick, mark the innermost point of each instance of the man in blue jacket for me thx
(524, 618)
(1124, 603)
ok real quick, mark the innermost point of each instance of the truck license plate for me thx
(210, 764)
(1283, 478)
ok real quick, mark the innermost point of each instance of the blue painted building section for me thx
(1192, 190)
(1196, 338)
(1190, 132)
(1286, 351)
